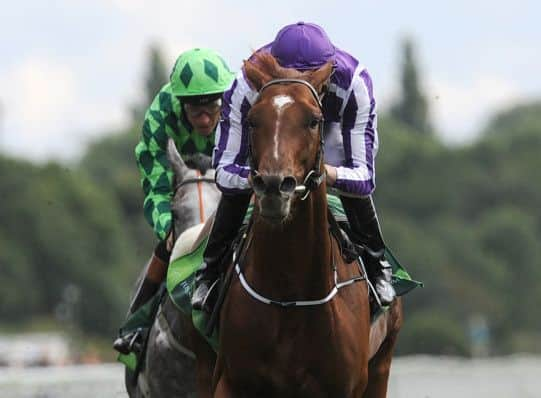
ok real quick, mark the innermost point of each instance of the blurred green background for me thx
(463, 219)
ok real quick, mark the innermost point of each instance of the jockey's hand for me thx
(330, 172)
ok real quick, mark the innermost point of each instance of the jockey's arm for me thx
(156, 177)
(230, 155)
(356, 176)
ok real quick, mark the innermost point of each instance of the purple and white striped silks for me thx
(351, 139)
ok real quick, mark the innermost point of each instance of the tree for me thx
(465, 222)
(510, 124)
(60, 232)
(110, 162)
(412, 107)
(156, 75)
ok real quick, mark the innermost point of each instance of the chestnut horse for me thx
(296, 319)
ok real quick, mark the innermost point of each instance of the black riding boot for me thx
(229, 216)
(155, 272)
(364, 223)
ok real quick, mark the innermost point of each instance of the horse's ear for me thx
(256, 77)
(320, 77)
(176, 162)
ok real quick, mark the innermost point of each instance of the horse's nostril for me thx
(258, 184)
(273, 184)
(288, 185)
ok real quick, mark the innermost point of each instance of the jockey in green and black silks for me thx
(198, 80)
(187, 109)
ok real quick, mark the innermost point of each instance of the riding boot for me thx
(156, 269)
(366, 233)
(227, 222)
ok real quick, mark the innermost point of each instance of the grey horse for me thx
(170, 368)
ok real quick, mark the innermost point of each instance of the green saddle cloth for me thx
(181, 275)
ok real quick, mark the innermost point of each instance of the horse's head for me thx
(195, 195)
(285, 133)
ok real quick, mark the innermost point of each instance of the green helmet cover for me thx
(200, 71)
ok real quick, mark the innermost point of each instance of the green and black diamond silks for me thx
(200, 71)
(186, 75)
(211, 70)
(163, 120)
(197, 72)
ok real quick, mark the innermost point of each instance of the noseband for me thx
(193, 180)
(314, 177)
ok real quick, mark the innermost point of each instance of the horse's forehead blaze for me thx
(281, 114)
(281, 101)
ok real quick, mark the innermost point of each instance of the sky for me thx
(70, 69)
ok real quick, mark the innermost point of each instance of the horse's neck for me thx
(294, 258)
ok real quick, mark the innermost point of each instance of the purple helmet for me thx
(302, 46)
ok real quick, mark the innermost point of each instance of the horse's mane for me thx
(267, 64)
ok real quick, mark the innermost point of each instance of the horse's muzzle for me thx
(273, 184)
(274, 208)
(274, 193)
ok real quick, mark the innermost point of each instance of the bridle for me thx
(314, 177)
(312, 181)
(193, 180)
(199, 179)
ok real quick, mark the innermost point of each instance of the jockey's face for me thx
(204, 118)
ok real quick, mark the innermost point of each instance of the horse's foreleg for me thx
(206, 359)
(378, 370)
(380, 365)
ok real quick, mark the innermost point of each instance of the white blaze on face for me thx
(280, 102)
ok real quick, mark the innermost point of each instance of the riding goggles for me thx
(196, 110)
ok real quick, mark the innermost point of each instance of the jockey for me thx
(187, 109)
(351, 144)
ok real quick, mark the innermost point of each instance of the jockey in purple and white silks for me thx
(351, 144)
(351, 139)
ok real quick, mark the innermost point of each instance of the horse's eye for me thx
(314, 123)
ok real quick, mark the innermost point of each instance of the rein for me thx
(314, 177)
(196, 180)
